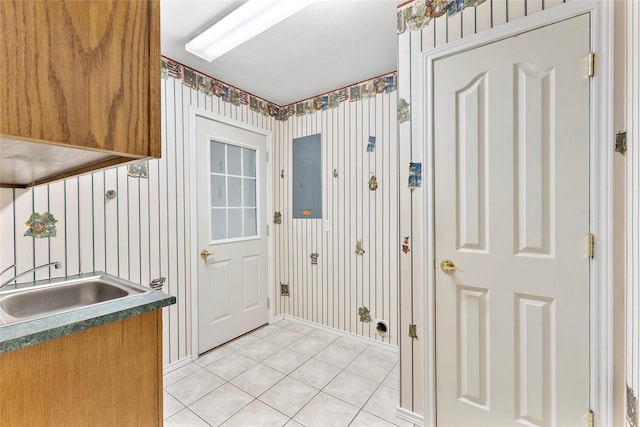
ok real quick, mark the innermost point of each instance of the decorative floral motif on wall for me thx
(371, 147)
(41, 225)
(227, 93)
(405, 245)
(210, 86)
(632, 408)
(277, 217)
(621, 143)
(284, 289)
(364, 314)
(373, 183)
(138, 169)
(415, 175)
(314, 258)
(383, 84)
(413, 332)
(404, 112)
(417, 15)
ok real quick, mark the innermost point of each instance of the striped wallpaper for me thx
(144, 232)
(632, 116)
(490, 14)
(331, 292)
(412, 44)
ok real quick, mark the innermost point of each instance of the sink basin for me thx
(64, 295)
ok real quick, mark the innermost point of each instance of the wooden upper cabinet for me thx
(82, 74)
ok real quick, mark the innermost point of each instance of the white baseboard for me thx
(412, 417)
(177, 364)
(369, 341)
(277, 318)
(364, 340)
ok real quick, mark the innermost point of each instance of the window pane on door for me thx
(235, 223)
(249, 193)
(235, 192)
(234, 212)
(218, 224)
(234, 160)
(218, 158)
(249, 162)
(250, 222)
(218, 191)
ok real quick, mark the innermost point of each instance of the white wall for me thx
(331, 292)
(144, 233)
(632, 119)
(490, 14)
(413, 42)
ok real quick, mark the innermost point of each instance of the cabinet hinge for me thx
(591, 245)
(590, 419)
(592, 64)
(621, 143)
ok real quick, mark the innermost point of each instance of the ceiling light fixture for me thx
(245, 22)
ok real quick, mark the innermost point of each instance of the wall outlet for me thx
(327, 225)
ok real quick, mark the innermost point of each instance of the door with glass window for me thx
(232, 241)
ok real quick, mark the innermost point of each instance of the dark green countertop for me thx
(14, 336)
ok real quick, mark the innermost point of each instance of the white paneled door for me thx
(232, 242)
(511, 132)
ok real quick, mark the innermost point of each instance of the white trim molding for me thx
(177, 365)
(632, 249)
(601, 201)
(412, 417)
(354, 337)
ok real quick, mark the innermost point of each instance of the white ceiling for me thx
(329, 45)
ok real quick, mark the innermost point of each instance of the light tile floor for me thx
(286, 374)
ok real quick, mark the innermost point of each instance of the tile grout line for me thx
(303, 332)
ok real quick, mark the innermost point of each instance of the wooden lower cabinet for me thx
(110, 375)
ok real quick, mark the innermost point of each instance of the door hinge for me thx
(268, 303)
(591, 245)
(592, 64)
(267, 231)
(590, 419)
(621, 143)
(267, 156)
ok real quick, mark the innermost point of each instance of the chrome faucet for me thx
(55, 264)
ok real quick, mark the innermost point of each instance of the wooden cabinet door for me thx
(82, 73)
(106, 376)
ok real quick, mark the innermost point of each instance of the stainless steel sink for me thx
(64, 295)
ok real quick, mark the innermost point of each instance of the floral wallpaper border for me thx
(418, 14)
(383, 84)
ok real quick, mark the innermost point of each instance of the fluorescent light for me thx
(247, 21)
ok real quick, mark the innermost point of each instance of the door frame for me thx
(194, 113)
(600, 193)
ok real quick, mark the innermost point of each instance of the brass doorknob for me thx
(448, 266)
(205, 253)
